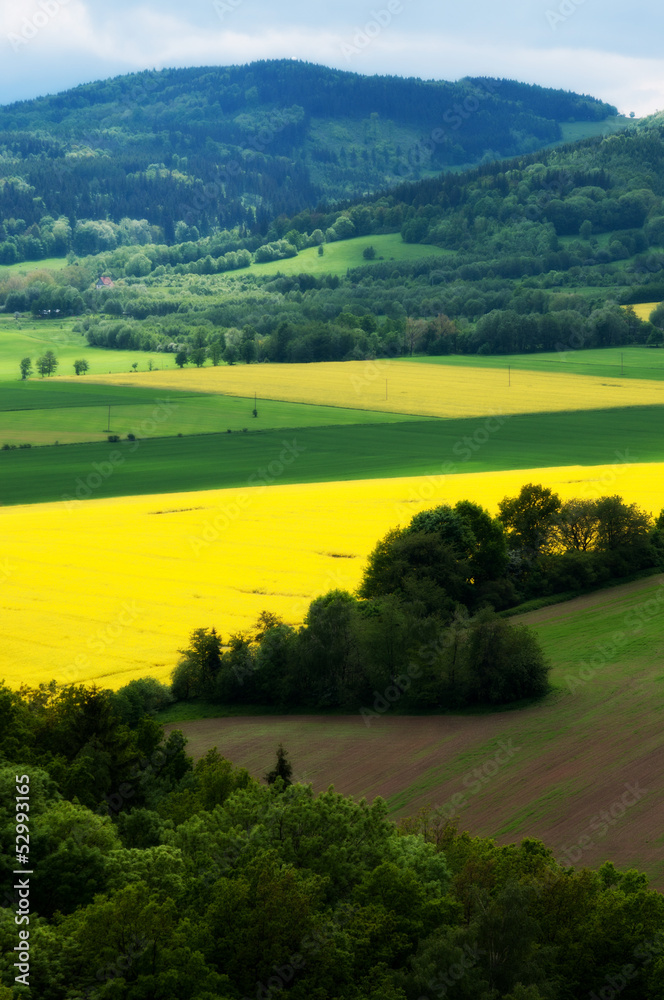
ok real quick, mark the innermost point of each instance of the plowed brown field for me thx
(583, 771)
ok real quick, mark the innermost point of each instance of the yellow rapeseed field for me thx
(108, 590)
(405, 387)
(643, 309)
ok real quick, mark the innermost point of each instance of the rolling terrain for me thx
(581, 771)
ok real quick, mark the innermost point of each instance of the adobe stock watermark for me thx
(214, 191)
(378, 21)
(444, 981)
(31, 26)
(600, 824)
(104, 638)
(605, 652)
(615, 983)
(102, 471)
(474, 781)
(224, 7)
(454, 118)
(597, 489)
(562, 13)
(260, 479)
(465, 449)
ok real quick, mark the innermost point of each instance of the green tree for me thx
(215, 352)
(620, 525)
(530, 519)
(505, 662)
(282, 769)
(181, 359)
(577, 525)
(81, 366)
(197, 356)
(47, 364)
(26, 368)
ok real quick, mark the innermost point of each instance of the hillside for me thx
(181, 153)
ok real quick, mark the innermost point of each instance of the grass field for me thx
(439, 390)
(338, 257)
(31, 338)
(327, 453)
(166, 564)
(49, 264)
(608, 362)
(571, 757)
(73, 421)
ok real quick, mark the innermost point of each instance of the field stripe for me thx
(122, 582)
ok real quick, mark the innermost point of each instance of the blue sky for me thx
(602, 47)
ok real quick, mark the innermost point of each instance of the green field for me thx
(338, 257)
(49, 264)
(602, 362)
(31, 338)
(360, 451)
(81, 413)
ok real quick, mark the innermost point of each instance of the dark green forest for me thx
(159, 879)
(192, 151)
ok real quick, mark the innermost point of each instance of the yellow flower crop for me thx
(403, 387)
(108, 590)
(643, 309)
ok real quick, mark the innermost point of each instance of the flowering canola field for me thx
(108, 590)
(643, 309)
(403, 387)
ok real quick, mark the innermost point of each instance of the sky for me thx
(606, 48)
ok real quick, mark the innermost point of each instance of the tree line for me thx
(423, 630)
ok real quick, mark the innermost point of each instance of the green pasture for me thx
(80, 413)
(49, 264)
(572, 633)
(338, 257)
(603, 362)
(30, 338)
(330, 453)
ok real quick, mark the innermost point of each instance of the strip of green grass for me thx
(184, 415)
(338, 257)
(47, 394)
(49, 264)
(608, 362)
(325, 454)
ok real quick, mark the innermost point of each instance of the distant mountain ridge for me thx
(224, 147)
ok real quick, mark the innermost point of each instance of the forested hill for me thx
(217, 147)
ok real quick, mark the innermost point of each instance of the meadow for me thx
(606, 362)
(439, 390)
(81, 414)
(48, 264)
(324, 453)
(338, 257)
(32, 337)
(166, 564)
